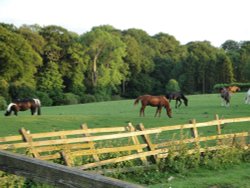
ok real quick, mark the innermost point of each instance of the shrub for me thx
(70, 98)
(172, 86)
(44, 98)
(3, 103)
(21, 90)
(87, 98)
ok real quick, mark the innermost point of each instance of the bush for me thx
(44, 98)
(21, 91)
(243, 86)
(4, 88)
(172, 86)
(70, 98)
(3, 103)
(87, 98)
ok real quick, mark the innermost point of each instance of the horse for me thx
(226, 96)
(233, 89)
(247, 99)
(177, 96)
(154, 101)
(24, 104)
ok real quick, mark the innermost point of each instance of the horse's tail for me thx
(137, 100)
(38, 104)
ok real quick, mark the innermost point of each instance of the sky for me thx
(187, 20)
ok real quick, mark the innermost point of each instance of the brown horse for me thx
(233, 89)
(22, 105)
(155, 101)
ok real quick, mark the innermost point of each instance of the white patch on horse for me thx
(9, 107)
(38, 103)
(247, 101)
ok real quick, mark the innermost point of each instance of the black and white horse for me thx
(24, 104)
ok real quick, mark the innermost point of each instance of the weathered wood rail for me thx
(134, 143)
(56, 174)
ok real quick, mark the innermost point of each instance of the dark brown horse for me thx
(226, 96)
(177, 96)
(155, 101)
(22, 105)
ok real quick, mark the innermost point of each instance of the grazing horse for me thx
(155, 101)
(226, 96)
(247, 99)
(177, 96)
(233, 89)
(22, 105)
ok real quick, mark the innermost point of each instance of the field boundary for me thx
(124, 143)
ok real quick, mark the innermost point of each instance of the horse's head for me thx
(169, 112)
(167, 106)
(11, 107)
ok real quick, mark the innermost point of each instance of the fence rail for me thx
(55, 174)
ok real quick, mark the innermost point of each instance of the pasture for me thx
(118, 113)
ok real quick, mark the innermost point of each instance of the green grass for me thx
(234, 177)
(119, 113)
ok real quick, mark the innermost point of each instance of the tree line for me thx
(62, 67)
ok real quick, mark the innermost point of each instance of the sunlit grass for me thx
(119, 113)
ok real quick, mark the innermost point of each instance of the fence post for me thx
(147, 140)
(194, 132)
(136, 141)
(218, 127)
(28, 138)
(65, 153)
(92, 144)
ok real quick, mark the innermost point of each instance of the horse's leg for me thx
(222, 101)
(180, 102)
(176, 103)
(247, 100)
(142, 111)
(159, 111)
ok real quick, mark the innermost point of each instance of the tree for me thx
(18, 60)
(224, 68)
(31, 34)
(168, 55)
(63, 47)
(106, 51)
(51, 82)
(199, 66)
(140, 60)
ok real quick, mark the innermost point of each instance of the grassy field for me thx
(119, 113)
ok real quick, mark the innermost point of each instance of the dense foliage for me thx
(54, 63)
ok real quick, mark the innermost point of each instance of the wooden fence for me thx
(85, 149)
(56, 174)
